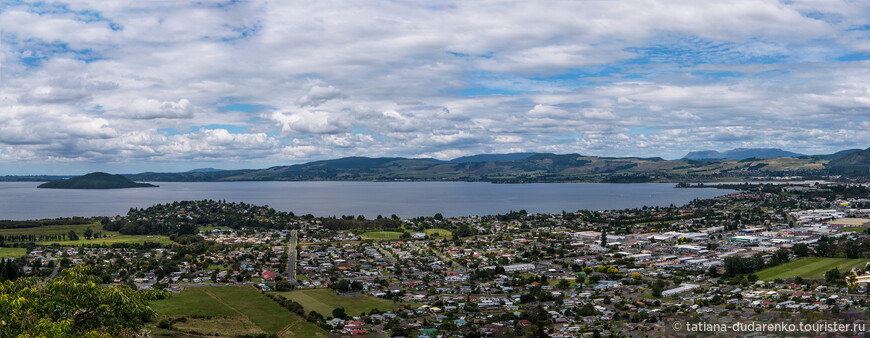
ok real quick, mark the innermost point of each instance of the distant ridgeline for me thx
(545, 167)
(96, 180)
(515, 168)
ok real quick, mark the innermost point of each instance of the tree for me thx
(604, 238)
(657, 290)
(89, 233)
(563, 284)
(339, 313)
(779, 257)
(832, 275)
(72, 236)
(282, 284)
(852, 250)
(75, 305)
(801, 250)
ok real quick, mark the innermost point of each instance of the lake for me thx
(22, 200)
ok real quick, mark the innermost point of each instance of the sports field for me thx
(437, 232)
(231, 311)
(325, 300)
(809, 267)
(381, 235)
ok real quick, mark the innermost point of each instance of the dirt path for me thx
(248, 319)
(286, 329)
(287, 333)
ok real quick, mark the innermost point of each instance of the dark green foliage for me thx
(288, 304)
(832, 276)
(853, 164)
(7, 224)
(345, 285)
(97, 180)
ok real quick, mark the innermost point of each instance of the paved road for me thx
(54, 272)
(291, 258)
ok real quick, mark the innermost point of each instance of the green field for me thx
(854, 229)
(437, 232)
(553, 282)
(381, 235)
(231, 311)
(809, 268)
(325, 300)
(116, 237)
(12, 252)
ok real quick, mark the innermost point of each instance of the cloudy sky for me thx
(170, 85)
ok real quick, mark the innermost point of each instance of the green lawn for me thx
(12, 252)
(437, 232)
(854, 229)
(116, 237)
(553, 282)
(381, 235)
(325, 300)
(232, 310)
(809, 267)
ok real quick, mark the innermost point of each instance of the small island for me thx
(97, 180)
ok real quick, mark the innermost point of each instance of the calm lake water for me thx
(22, 200)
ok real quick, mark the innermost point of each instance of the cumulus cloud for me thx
(304, 121)
(146, 109)
(318, 95)
(92, 81)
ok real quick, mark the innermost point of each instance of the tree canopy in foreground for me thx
(74, 305)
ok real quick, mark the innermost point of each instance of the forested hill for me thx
(528, 167)
(540, 167)
(853, 164)
(96, 180)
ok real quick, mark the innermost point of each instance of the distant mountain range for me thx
(740, 154)
(492, 158)
(537, 167)
(540, 167)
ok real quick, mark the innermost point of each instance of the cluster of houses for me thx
(603, 271)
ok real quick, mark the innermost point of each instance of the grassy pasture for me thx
(231, 311)
(325, 300)
(12, 252)
(809, 267)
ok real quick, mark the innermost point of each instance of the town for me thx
(758, 250)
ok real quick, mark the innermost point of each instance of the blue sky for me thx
(173, 86)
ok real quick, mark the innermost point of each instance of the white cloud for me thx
(304, 121)
(318, 95)
(146, 109)
(402, 79)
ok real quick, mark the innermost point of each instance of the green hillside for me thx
(540, 167)
(854, 164)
